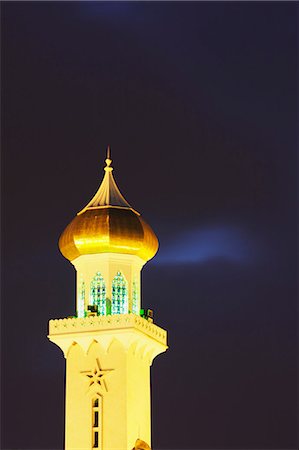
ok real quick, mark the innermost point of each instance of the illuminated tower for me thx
(111, 342)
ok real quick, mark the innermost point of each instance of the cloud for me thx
(214, 243)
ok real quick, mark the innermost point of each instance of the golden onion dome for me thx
(108, 224)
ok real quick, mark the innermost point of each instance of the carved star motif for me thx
(96, 377)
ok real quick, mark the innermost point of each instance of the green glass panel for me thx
(98, 293)
(81, 303)
(134, 298)
(119, 295)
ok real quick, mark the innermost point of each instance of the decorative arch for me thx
(119, 294)
(74, 351)
(98, 293)
(94, 348)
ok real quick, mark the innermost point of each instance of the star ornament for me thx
(96, 377)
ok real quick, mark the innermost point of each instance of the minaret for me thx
(110, 344)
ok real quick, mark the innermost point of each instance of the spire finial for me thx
(108, 159)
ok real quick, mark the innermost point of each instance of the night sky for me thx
(198, 103)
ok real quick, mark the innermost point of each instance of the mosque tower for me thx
(110, 344)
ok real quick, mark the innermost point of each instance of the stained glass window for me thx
(98, 293)
(135, 298)
(119, 295)
(81, 300)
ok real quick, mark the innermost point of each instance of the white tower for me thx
(111, 342)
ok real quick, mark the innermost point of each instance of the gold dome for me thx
(108, 225)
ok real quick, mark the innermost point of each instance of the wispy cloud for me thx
(212, 243)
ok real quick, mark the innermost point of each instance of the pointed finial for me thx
(108, 161)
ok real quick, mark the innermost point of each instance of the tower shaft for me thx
(108, 363)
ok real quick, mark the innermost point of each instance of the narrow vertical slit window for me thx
(98, 293)
(119, 295)
(96, 419)
(96, 424)
(96, 439)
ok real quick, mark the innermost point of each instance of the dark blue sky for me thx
(198, 102)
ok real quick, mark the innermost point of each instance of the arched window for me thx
(119, 295)
(81, 300)
(135, 298)
(98, 293)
